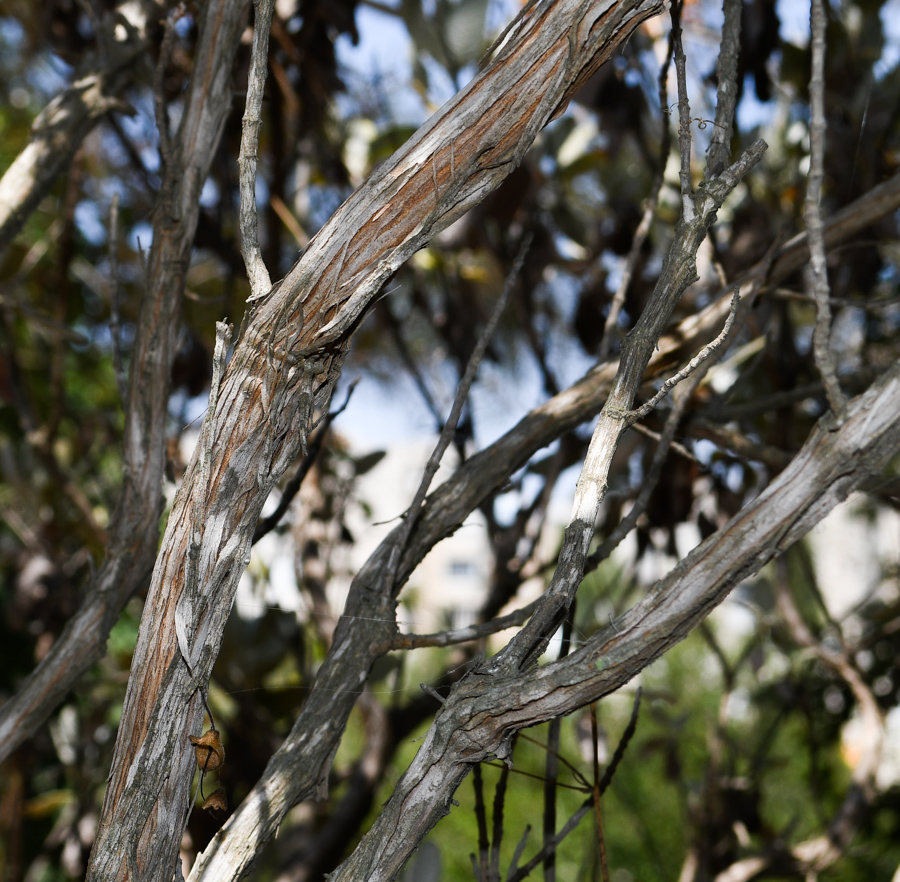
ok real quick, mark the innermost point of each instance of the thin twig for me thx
(517, 854)
(209, 713)
(462, 394)
(774, 401)
(114, 293)
(481, 864)
(551, 762)
(578, 788)
(583, 786)
(586, 806)
(407, 358)
(684, 117)
(430, 690)
(159, 89)
(643, 229)
(739, 444)
(497, 825)
(675, 447)
(314, 447)
(260, 283)
(855, 302)
(666, 439)
(598, 814)
(462, 635)
(525, 871)
(624, 741)
(642, 411)
(718, 156)
(817, 274)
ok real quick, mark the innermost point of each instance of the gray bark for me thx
(134, 535)
(486, 709)
(284, 366)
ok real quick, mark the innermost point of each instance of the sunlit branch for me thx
(260, 283)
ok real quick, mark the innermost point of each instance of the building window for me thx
(460, 569)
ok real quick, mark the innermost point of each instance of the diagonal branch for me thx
(62, 125)
(484, 711)
(365, 631)
(678, 271)
(284, 366)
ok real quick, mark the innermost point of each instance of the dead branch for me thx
(364, 631)
(284, 366)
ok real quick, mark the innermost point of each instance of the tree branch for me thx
(365, 630)
(62, 125)
(484, 710)
(640, 412)
(678, 271)
(284, 366)
(817, 273)
(719, 152)
(260, 283)
(133, 534)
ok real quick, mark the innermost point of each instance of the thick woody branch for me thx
(365, 631)
(133, 534)
(134, 544)
(484, 711)
(284, 366)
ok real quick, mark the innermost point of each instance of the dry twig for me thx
(260, 283)
(817, 274)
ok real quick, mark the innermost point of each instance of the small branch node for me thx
(642, 411)
(430, 690)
